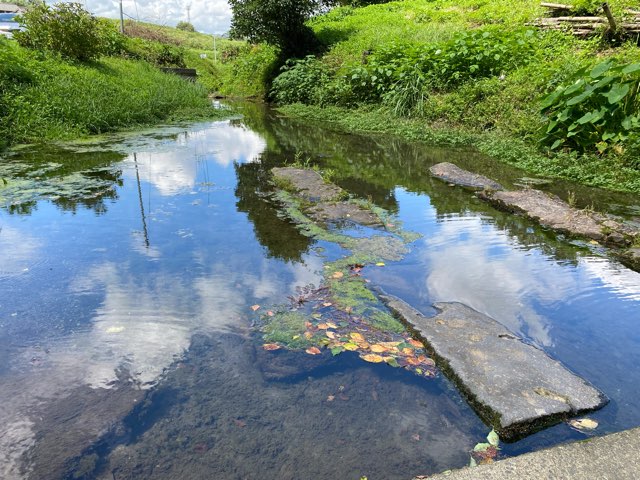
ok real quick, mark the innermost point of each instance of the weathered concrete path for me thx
(613, 457)
(451, 173)
(512, 385)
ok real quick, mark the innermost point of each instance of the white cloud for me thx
(213, 16)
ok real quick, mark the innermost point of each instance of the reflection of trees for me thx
(69, 179)
(278, 235)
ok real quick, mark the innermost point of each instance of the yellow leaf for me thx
(313, 351)
(255, 307)
(407, 351)
(331, 325)
(350, 346)
(115, 329)
(373, 358)
(378, 348)
(271, 346)
(308, 335)
(331, 335)
(357, 336)
(583, 424)
(337, 275)
(380, 264)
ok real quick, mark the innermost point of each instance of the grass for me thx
(45, 98)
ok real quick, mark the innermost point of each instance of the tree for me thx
(277, 22)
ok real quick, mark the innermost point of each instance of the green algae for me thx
(286, 328)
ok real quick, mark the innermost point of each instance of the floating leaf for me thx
(337, 350)
(380, 264)
(255, 307)
(378, 348)
(481, 447)
(357, 337)
(331, 398)
(323, 326)
(316, 315)
(331, 335)
(327, 304)
(415, 343)
(271, 346)
(115, 329)
(337, 275)
(493, 438)
(373, 358)
(313, 351)
(391, 361)
(308, 335)
(407, 351)
(270, 313)
(352, 347)
(331, 325)
(583, 424)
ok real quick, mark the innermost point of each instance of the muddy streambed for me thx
(130, 272)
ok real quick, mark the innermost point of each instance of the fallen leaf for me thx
(115, 329)
(413, 361)
(337, 275)
(373, 358)
(270, 313)
(331, 398)
(331, 335)
(316, 315)
(380, 264)
(308, 335)
(271, 346)
(331, 325)
(323, 326)
(350, 346)
(415, 343)
(255, 307)
(391, 361)
(357, 336)
(583, 424)
(313, 351)
(415, 437)
(407, 351)
(295, 337)
(327, 304)
(337, 351)
(493, 438)
(378, 348)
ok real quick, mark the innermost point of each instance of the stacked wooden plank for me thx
(561, 18)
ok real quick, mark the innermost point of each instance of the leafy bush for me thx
(598, 109)
(185, 26)
(156, 53)
(66, 29)
(301, 81)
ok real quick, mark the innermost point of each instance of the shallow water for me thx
(129, 265)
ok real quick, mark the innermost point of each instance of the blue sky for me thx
(211, 16)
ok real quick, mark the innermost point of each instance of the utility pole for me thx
(189, 13)
(121, 19)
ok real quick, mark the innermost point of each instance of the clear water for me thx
(129, 265)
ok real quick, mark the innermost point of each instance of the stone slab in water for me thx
(513, 386)
(550, 211)
(327, 206)
(453, 174)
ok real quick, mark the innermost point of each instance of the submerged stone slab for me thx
(325, 197)
(309, 184)
(550, 211)
(513, 386)
(453, 174)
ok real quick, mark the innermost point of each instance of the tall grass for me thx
(46, 98)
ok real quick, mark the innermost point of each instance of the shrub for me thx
(185, 26)
(65, 28)
(301, 81)
(599, 108)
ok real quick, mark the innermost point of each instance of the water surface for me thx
(129, 265)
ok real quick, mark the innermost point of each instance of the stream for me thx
(131, 267)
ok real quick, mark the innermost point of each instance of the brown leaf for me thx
(323, 326)
(378, 348)
(331, 398)
(357, 337)
(270, 313)
(331, 335)
(271, 346)
(313, 351)
(415, 343)
(255, 307)
(337, 275)
(373, 358)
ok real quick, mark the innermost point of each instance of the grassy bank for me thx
(43, 97)
(475, 72)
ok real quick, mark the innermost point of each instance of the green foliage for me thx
(598, 109)
(185, 26)
(45, 99)
(155, 53)
(300, 81)
(280, 23)
(66, 29)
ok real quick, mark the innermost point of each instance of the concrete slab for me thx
(515, 387)
(612, 457)
(451, 173)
